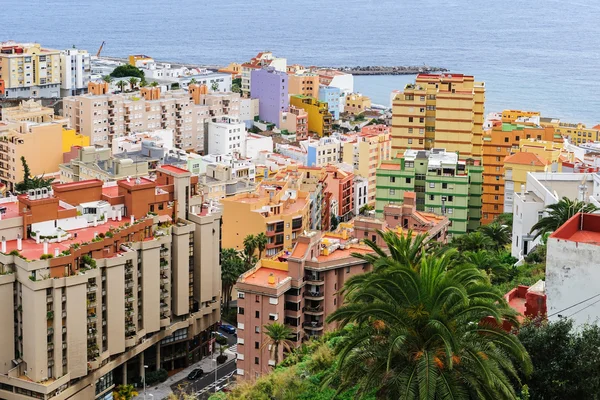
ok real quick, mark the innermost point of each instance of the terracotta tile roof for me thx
(525, 158)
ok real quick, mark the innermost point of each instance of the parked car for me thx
(219, 334)
(227, 329)
(195, 374)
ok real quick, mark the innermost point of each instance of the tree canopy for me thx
(127, 70)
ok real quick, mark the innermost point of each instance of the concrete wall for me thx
(76, 330)
(7, 350)
(572, 273)
(151, 286)
(115, 296)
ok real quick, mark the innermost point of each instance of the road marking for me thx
(212, 385)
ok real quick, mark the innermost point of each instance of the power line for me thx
(589, 305)
(574, 305)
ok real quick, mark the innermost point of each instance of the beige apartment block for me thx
(133, 280)
(106, 117)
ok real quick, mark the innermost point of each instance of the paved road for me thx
(205, 385)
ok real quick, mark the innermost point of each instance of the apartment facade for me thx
(29, 70)
(444, 111)
(295, 120)
(320, 119)
(356, 103)
(340, 184)
(227, 135)
(366, 152)
(331, 95)
(133, 280)
(306, 84)
(516, 167)
(262, 59)
(270, 87)
(75, 72)
(443, 185)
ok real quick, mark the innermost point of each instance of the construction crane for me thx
(100, 49)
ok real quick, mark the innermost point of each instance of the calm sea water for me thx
(536, 54)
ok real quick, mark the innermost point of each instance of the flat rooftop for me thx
(580, 228)
(260, 277)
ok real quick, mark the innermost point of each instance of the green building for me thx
(443, 185)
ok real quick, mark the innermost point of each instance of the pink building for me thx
(295, 120)
(340, 185)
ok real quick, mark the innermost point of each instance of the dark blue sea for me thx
(537, 54)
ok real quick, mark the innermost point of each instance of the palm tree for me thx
(125, 392)
(261, 243)
(193, 81)
(249, 250)
(498, 233)
(143, 82)
(559, 213)
(121, 85)
(488, 262)
(472, 242)
(418, 332)
(132, 82)
(278, 335)
(107, 78)
(404, 249)
(154, 84)
(232, 266)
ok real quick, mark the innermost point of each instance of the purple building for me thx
(270, 87)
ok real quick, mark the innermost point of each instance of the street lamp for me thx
(145, 367)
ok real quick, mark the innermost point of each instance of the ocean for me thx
(537, 54)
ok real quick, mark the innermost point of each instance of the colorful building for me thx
(576, 133)
(29, 70)
(320, 119)
(511, 116)
(71, 138)
(444, 111)
(516, 167)
(235, 69)
(262, 59)
(444, 185)
(270, 87)
(295, 120)
(331, 95)
(341, 186)
(306, 84)
(366, 152)
(356, 103)
(112, 280)
(502, 140)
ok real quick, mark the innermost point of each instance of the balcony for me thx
(313, 325)
(313, 310)
(314, 280)
(296, 224)
(310, 295)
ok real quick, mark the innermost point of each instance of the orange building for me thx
(498, 143)
(98, 88)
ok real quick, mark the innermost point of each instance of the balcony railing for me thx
(313, 324)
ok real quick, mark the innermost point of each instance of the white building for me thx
(215, 81)
(248, 110)
(289, 150)
(161, 137)
(573, 270)
(361, 193)
(257, 143)
(227, 135)
(326, 150)
(75, 72)
(540, 191)
(338, 79)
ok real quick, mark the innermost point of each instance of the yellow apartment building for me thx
(356, 103)
(366, 153)
(71, 138)
(445, 111)
(516, 167)
(510, 116)
(28, 70)
(276, 210)
(319, 118)
(576, 133)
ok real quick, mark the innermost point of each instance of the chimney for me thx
(19, 242)
(45, 246)
(56, 252)
(119, 215)
(3, 244)
(132, 219)
(114, 214)
(37, 237)
(522, 190)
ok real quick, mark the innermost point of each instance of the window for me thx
(272, 317)
(410, 119)
(450, 198)
(257, 329)
(420, 141)
(540, 215)
(256, 345)
(409, 164)
(410, 130)
(409, 141)
(444, 186)
(496, 197)
(449, 211)
(256, 361)
(431, 185)
(257, 299)
(505, 140)
(497, 177)
(495, 206)
(497, 158)
(498, 149)
(392, 179)
(392, 192)
(496, 188)
(408, 180)
(241, 310)
(257, 314)
(431, 197)
(347, 270)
